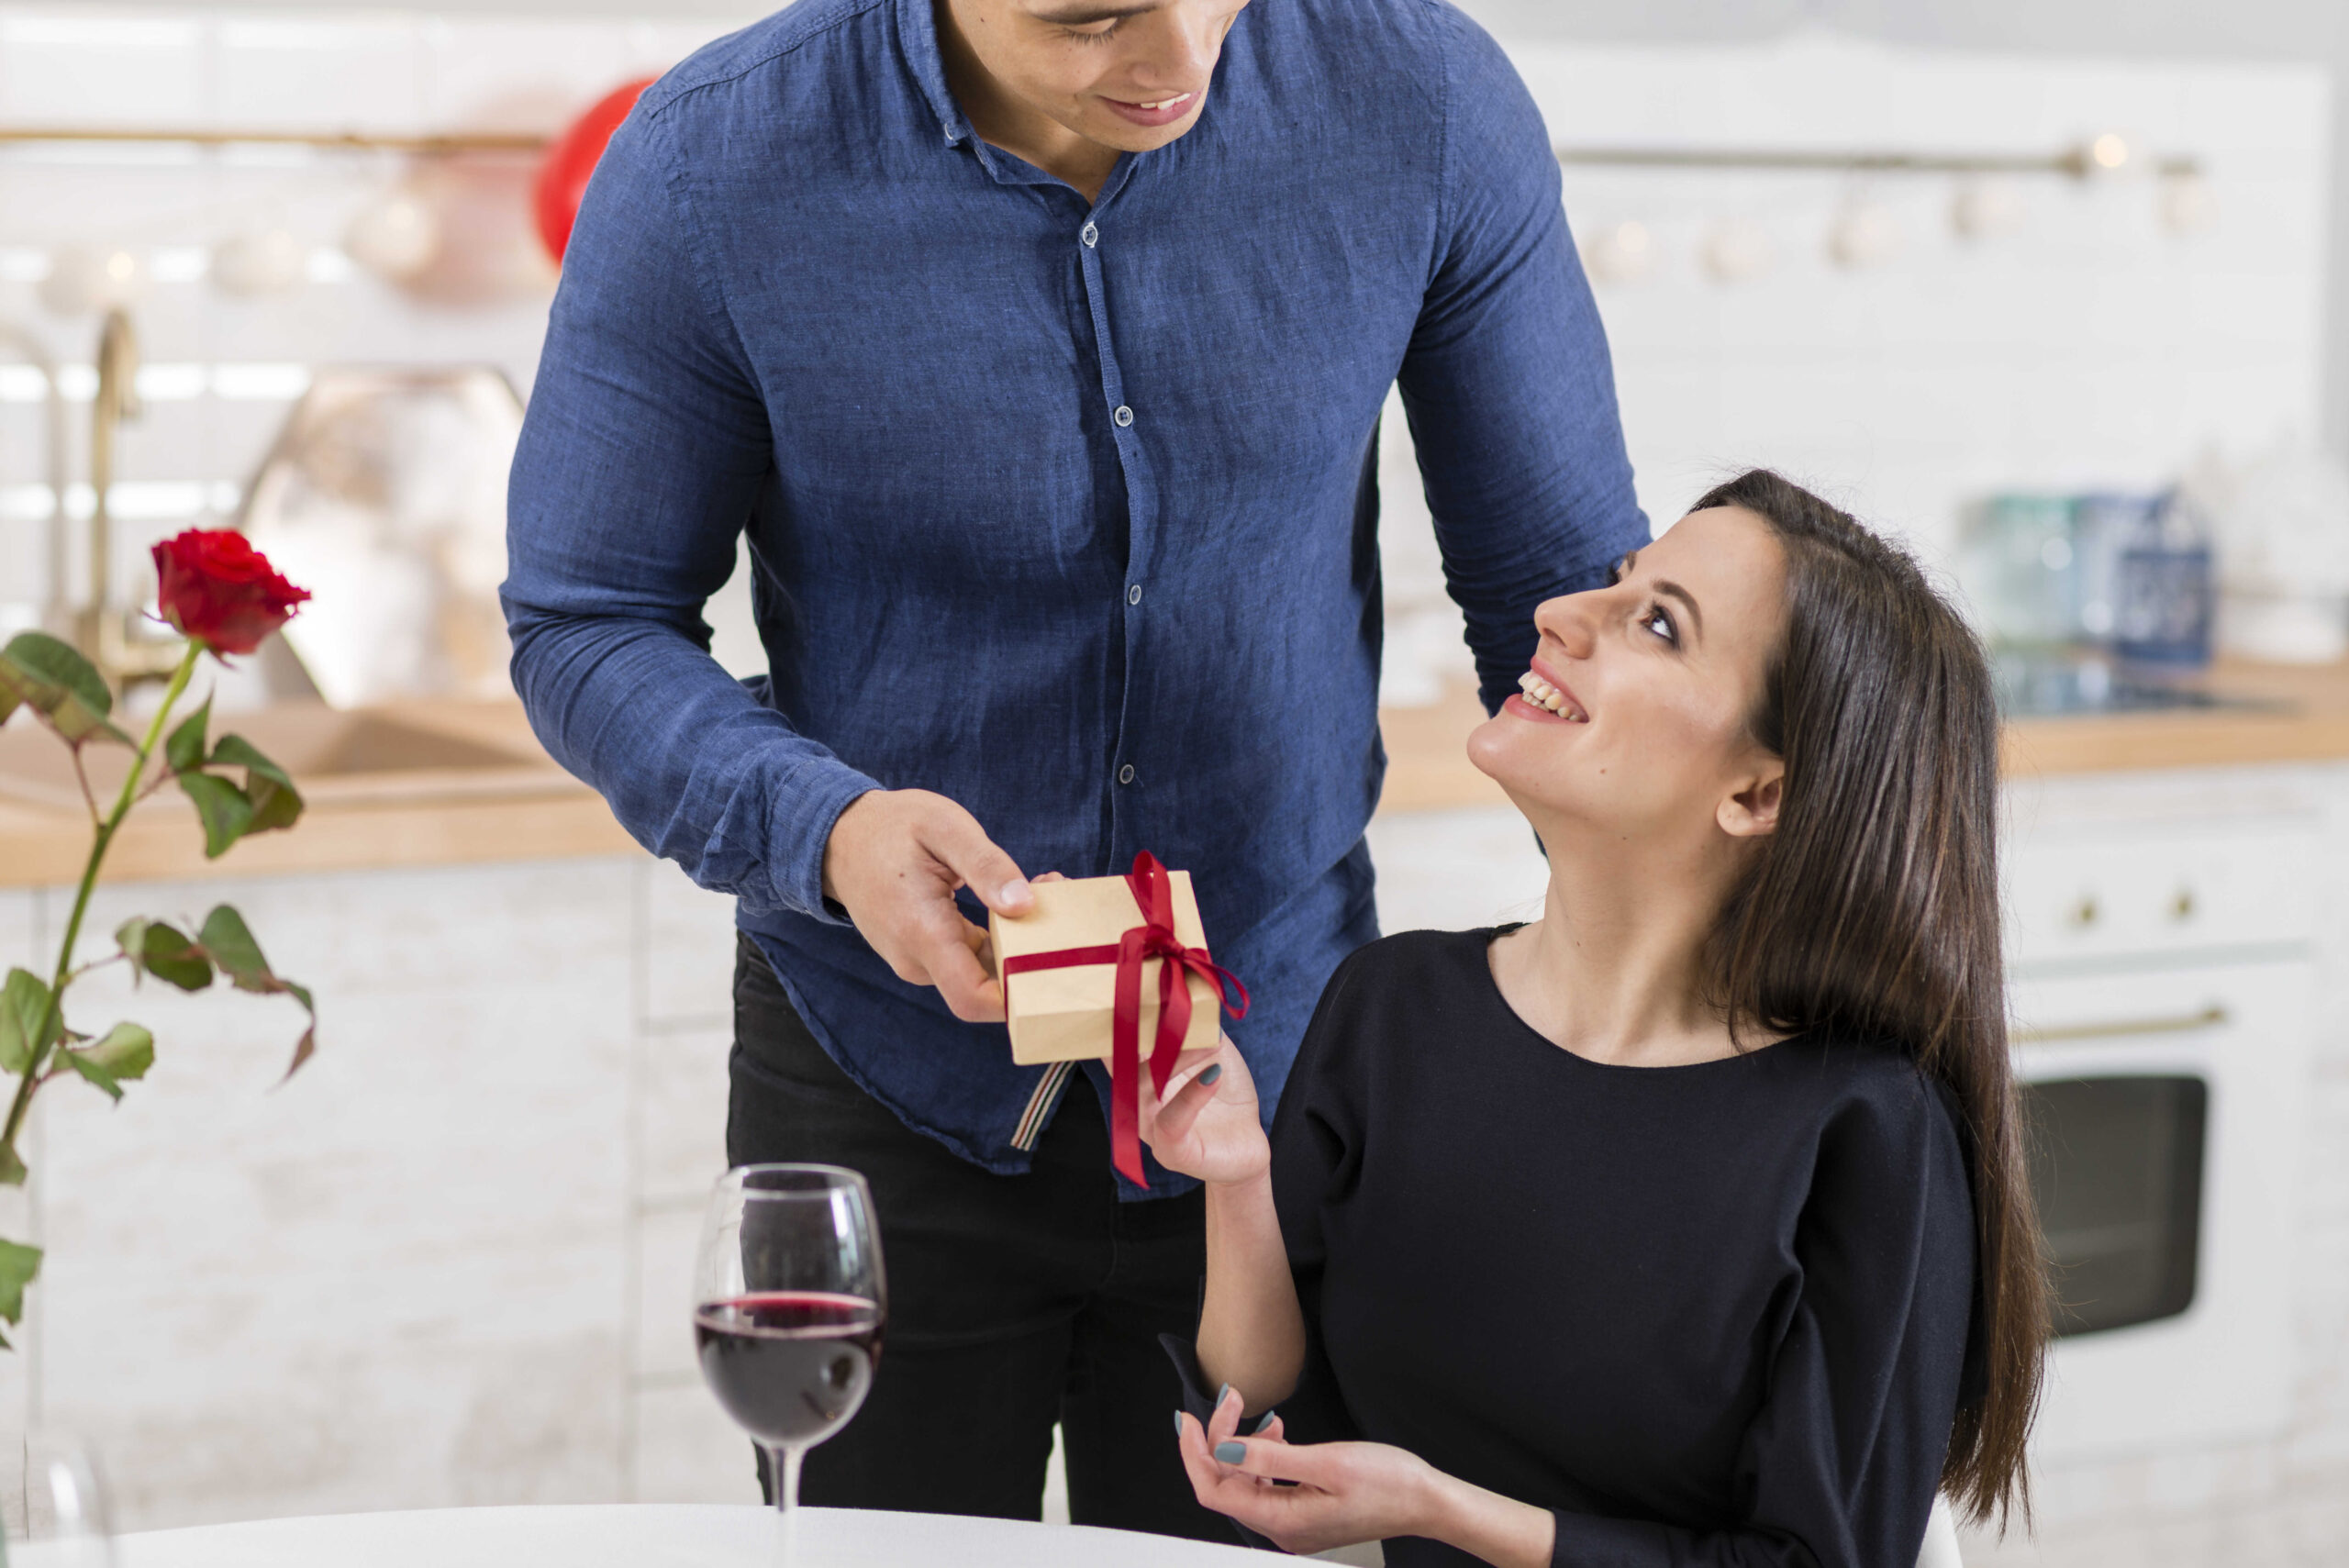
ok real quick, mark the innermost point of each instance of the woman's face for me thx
(1632, 717)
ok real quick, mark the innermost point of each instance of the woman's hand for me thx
(1344, 1493)
(1208, 1127)
(1339, 1493)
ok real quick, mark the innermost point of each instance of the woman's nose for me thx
(1568, 621)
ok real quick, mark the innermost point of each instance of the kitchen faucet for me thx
(105, 633)
(55, 614)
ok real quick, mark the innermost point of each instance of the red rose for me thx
(215, 587)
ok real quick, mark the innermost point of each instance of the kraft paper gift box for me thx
(1065, 1015)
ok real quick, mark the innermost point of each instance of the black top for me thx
(1709, 1314)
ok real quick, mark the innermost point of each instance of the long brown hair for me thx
(1873, 907)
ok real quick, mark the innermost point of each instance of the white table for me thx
(647, 1535)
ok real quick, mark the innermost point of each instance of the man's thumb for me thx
(981, 867)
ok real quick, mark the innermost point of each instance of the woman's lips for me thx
(1518, 707)
(1156, 111)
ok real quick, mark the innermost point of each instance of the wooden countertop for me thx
(501, 798)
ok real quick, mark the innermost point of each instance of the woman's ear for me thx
(1753, 810)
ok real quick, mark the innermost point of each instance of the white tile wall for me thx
(2088, 349)
(185, 460)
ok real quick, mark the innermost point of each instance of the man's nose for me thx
(1184, 54)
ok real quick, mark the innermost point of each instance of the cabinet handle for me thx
(2084, 913)
(2181, 907)
(2210, 1018)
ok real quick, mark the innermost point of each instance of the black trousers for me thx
(1015, 1301)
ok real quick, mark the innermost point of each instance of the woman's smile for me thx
(1545, 699)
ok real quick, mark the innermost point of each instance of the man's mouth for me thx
(1550, 699)
(1154, 111)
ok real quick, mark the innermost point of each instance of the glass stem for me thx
(783, 1464)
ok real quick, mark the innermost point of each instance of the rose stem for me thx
(52, 1014)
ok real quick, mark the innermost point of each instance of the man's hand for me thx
(893, 861)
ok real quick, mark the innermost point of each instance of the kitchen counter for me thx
(408, 785)
(457, 783)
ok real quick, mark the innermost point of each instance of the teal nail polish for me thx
(1212, 1074)
(1265, 1422)
(1178, 1423)
(1231, 1453)
(1222, 1395)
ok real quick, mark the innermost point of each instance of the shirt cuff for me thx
(806, 809)
(1593, 1540)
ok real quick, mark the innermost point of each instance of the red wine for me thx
(789, 1366)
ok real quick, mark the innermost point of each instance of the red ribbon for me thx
(1154, 938)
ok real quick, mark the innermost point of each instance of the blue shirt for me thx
(1066, 511)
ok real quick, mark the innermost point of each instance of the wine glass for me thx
(56, 1504)
(789, 1300)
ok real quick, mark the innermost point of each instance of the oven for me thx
(2159, 1108)
(2162, 1037)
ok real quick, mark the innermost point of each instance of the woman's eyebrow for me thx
(1696, 616)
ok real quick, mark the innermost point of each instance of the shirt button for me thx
(1090, 235)
(1124, 416)
(1133, 595)
(1126, 773)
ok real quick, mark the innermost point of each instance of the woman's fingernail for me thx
(1231, 1453)
(1265, 1422)
(1222, 1395)
(1014, 891)
(1178, 1423)
(1212, 1074)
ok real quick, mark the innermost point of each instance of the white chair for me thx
(1941, 1538)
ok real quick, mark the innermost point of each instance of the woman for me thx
(1688, 1223)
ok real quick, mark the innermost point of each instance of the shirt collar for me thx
(918, 36)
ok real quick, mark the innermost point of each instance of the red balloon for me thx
(563, 178)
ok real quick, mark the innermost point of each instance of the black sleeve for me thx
(1842, 1463)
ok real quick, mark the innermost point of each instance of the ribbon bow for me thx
(1154, 938)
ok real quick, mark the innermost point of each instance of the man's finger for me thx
(964, 847)
(970, 993)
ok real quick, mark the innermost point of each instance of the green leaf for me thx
(156, 948)
(24, 1008)
(127, 1051)
(18, 1265)
(231, 942)
(268, 787)
(11, 1168)
(184, 750)
(226, 812)
(63, 687)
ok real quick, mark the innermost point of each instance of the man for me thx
(1038, 345)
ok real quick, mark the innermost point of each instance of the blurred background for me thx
(2050, 288)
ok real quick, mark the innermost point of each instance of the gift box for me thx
(1104, 964)
(1065, 1014)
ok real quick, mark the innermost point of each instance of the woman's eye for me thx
(1659, 620)
(1096, 33)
